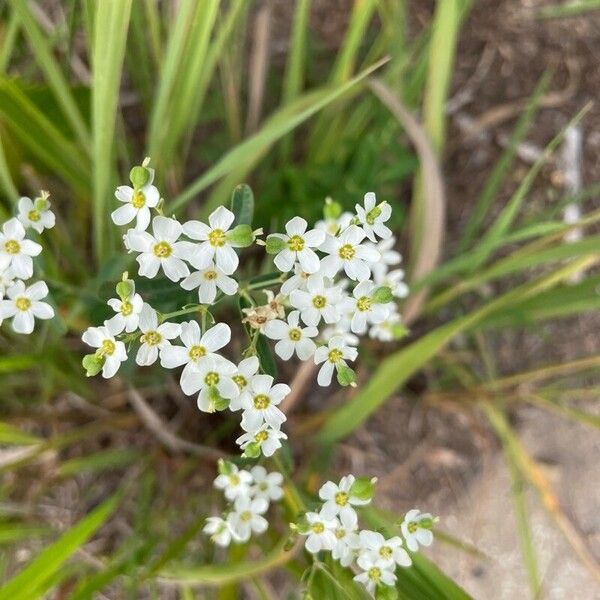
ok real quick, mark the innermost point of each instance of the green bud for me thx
(139, 177)
(41, 204)
(363, 488)
(225, 467)
(302, 525)
(373, 214)
(92, 363)
(289, 543)
(427, 523)
(241, 236)
(332, 210)
(217, 402)
(125, 288)
(345, 375)
(386, 592)
(382, 295)
(252, 450)
(275, 244)
(399, 331)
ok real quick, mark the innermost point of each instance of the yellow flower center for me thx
(412, 527)
(246, 516)
(240, 381)
(318, 527)
(335, 355)
(296, 243)
(33, 215)
(211, 378)
(340, 533)
(319, 301)
(295, 335)
(152, 338)
(386, 552)
(126, 308)
(263, 486)
(347, 252)
(162, 250)
(12, 247)
(261, 401)
(108, 347)
(363, 303)
(197, 352)
(23, 303)
(341, 498)
(138, 199)
(261, 436)
(234, 479)
(374, 574)
(217, 238)
(210, 275)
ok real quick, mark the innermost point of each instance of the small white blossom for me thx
(389, 257)
(260, 403)
(373, 217)
(136, 204)
(246, 518)
(339, 499)
(375, 572)
(219, 530)
(7, 279)
(347, 541)
(337, 352)
(413, 531)
(321, 534)
(292, 337)
(299, 246)
(24, 306)
(215, 244)
(320, 301)
(395, 281)
(268, 438)
(128, 313)
(161, 249)
(242, 377)
(296, 282)
(390, 552)
(385, 331)
(154, 337)
(235, 484)
(266, 485)
(364, 309)
(348, 253)
(213, 374)
(335, 226)
(16, 251)
(109, 348)
(36, 217)
(207, 281)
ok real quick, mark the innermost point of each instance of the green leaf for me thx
(265, 356)
(11, 435)
(106, 460)
(33, 581)
(242, 205)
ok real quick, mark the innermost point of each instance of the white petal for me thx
(37, 291)
(216, 337)
(284, 260)
(23, 322)
(124, 214)
(296, 226)
(227, 260)
(166, 229)
(42, 310)
(221, 218)
(309, 261)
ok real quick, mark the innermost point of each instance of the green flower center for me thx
(211, 378)
(12, 247)
(23, 303)
(318, 527)
(162, 250)
(335, 355)
(197, 352)
(347, 252)
(246, 516)
(374, 574)
(234, 479)
(33, 215)
(138, 199)
(386, 552)
(363, 303)
(126, 308)
(319, 301)
(372, 215)
(152, 338)
(341, 498)
(216, 238)
(261, 401)
(108, 348)
(210, 275)
(295, 335)
(240, 381)
(261, 436)
(412, 527)
(296, 243)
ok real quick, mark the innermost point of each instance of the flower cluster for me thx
(334, 528)
(250, 494)
(19, 301)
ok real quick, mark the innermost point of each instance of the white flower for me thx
(268, 438)
(215, 243)
(155, 337)
(364, 309)
(266, 485)
(207, 281)
(347, 541)
(319, 301)
(389, 257)
(39, 218)
(137, 205)
(372, 217)
(213, 374)
(219, 530)
(246, 518)
(244, 373)
(296, 282)
(128, 313)
(338, 498)
(24, 306)
(235, 484)
(292, 337)
(197, 348)
(299, 246)
(375, 572)
(395, 281)
(340, 329)
(321, 534)
(346, 252)
(111, 350)
(16, 251)
(160, 250)
(384, 331)
(337, 352)
(389, 552)
(334, 226)
(413, 531)
(7, 278)
(260, 403)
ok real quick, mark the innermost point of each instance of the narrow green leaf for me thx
(106, 460)
(242, 205)
(11, 435)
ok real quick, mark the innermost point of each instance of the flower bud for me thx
(332, 209)
(345, 375)
(275, 244)
(386, 592)
(382, 295)
(92, 363)
(139, 177)
(41, 204)
(252, 450)
(302, 526)
(241, 236)
(363, 488)
(125, 288)
(225, 467)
